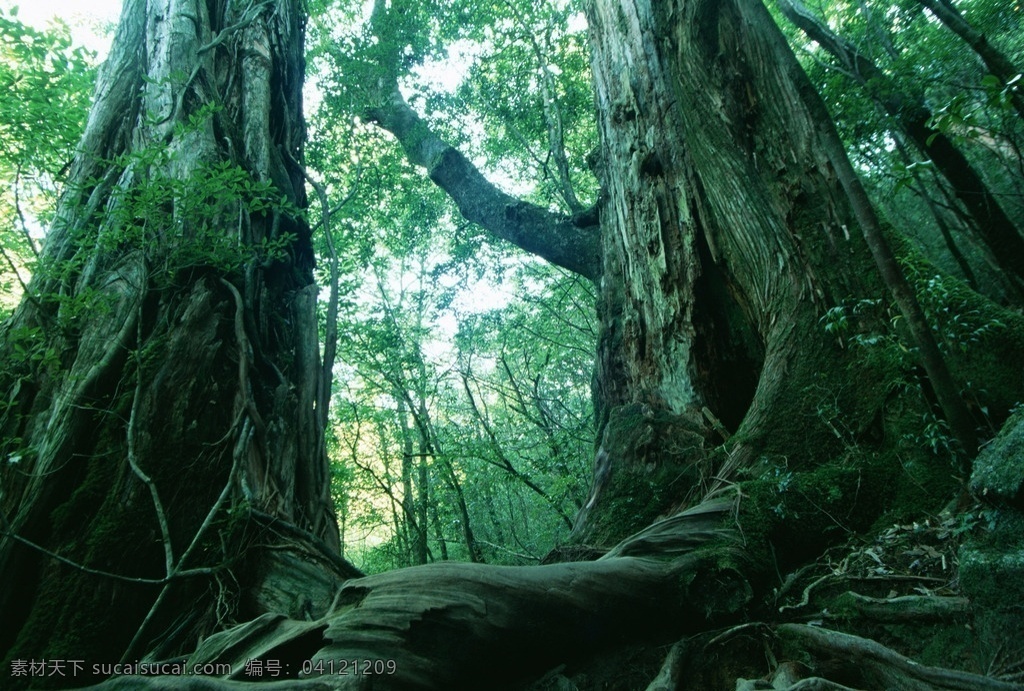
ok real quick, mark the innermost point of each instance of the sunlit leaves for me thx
(46, 83)
(435, 314)
(505, 395)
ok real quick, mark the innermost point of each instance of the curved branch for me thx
(571, 242)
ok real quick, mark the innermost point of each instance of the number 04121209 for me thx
(362, 667)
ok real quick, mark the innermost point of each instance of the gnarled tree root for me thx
(449, 626)
(864, 663)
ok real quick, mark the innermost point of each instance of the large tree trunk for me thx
(726, 237)
(168, 441)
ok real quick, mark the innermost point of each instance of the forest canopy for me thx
(533, 345)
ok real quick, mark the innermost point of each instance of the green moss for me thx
(787, 517)
(658, 457)
(107, 523)
(831, 396)
(992, 577)
(948, 644)
(99, 476)
(71, 618)
(951, 643)
(992, 564)
(999, 468)
(981, 340)
(635, 497)
(945, 646)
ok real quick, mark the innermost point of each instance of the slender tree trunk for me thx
(422, 502)
(439, 534)
(175, 431)
(410, 517)
(997, 230)
(424, 446)
(921, 190)
(996, 62)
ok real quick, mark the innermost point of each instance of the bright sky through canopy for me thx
(91, 21)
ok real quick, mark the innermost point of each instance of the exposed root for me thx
(869, 664)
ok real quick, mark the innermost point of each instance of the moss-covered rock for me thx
(992, 576)
(999, 468)
(992, 564)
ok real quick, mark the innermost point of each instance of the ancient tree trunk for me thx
(168, 438)
(726, 236)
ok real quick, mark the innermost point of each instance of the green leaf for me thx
(990, 81)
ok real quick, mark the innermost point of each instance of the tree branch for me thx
(189, 573)
(504, 462)
(571, 242)
(995, 61)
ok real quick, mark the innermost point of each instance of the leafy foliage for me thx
(46, 82)
(451, 415)
(462, 406)
(926, 63)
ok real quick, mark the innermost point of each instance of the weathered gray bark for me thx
(182, 395)
(727, 231)
(871, 665)
(725, 234)
(710, 190)
(461, 626)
